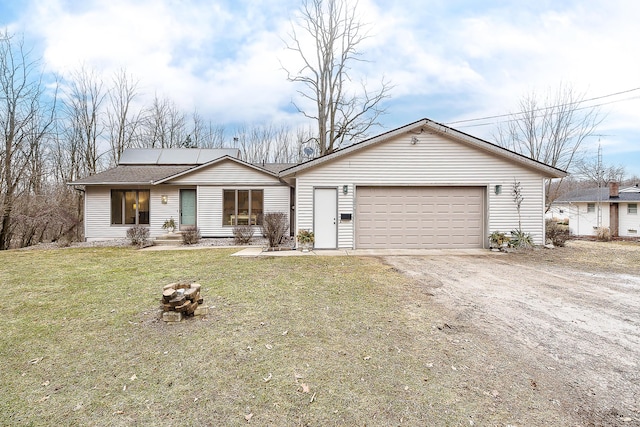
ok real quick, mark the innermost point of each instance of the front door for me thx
(187, 207)
(325, 213)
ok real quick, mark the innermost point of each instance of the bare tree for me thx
(122, 121)
(269, 143)
(164, 125)
(84, 117)
(25, 118)
(632, 181)
(341, 112)
(254, 142)
(551, 131)
(596, 173)
(205, 134)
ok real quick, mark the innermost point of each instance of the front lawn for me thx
(288, 341)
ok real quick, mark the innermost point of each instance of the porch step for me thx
(172, 239)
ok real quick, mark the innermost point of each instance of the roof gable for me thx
(218, 161)
(426, 125)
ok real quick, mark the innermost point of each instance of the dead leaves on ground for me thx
(304, 388)
(301, 387)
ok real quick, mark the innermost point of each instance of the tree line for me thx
(58, 131)
(55, 132)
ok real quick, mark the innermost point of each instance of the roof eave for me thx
(546, 170)
(111, 183)
(549, 171)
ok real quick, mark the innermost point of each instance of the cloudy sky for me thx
(449, 60)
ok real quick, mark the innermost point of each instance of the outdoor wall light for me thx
(345, 189)
(164, 199)
(498, 189)
(414, 140)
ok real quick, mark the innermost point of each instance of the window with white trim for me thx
(591, 207)
(632, 208)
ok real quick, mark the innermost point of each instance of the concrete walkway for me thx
(255, 251)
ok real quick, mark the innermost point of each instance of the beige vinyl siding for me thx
(97, 218)
(97, 222)
(227, 172)
(161, 212)
(229, 175)
(433, 161)
(276, 199)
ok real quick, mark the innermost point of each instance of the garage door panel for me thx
(419, 217)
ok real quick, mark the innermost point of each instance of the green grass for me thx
(342, 341)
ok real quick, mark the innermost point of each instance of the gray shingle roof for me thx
(275, 167)
(127, 174)
(149, 174)
(591, 195)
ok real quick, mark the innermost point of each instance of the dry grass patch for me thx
(289, 341)
(614, 256)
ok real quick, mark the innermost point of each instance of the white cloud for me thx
(447, 60)
(200, 55)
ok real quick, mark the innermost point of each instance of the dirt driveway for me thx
(567, 318)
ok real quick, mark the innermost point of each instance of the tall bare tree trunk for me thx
(122, 122)
(341, 112)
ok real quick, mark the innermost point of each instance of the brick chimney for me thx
(614, 189)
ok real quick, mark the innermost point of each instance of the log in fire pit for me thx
(181, 299)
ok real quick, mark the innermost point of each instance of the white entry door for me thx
(325, 215)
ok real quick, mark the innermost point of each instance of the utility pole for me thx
(599, 176)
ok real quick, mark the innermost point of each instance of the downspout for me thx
(84, 209)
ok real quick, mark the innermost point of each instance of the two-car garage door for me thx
(419, 217)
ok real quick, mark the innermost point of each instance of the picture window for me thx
(242, 207)
(129, 207)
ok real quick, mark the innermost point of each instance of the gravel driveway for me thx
(576, 331)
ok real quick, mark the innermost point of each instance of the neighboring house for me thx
(610, 207)
(423, 185)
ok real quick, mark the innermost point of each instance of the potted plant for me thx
(169, 225)
(498, 240)
(305, 239)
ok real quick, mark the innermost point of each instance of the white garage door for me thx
(419, 217)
